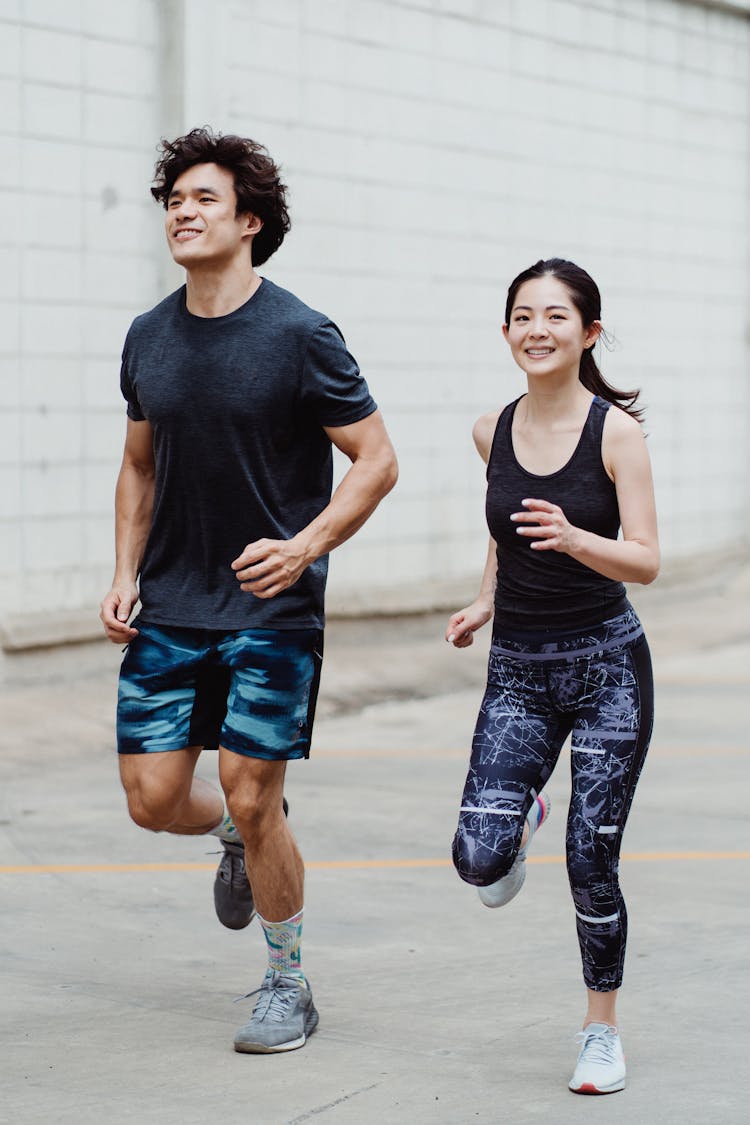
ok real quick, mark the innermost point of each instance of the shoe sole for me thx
(590, 1088)
(311, 1023)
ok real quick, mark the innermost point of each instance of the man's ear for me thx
(251, 225)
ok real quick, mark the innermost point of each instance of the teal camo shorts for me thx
(253, 691)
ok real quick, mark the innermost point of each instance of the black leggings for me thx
(598, 684)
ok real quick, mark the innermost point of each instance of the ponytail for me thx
(593, 380)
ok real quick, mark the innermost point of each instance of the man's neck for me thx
(219, 290)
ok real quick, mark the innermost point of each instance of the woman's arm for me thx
(634, 557)
(463, 624)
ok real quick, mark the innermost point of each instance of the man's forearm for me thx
(134, 505)
(356, 498)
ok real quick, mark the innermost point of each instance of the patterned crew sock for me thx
(283, 941)
(226, 830)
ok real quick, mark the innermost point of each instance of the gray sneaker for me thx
(283, 1017)
(233, 899)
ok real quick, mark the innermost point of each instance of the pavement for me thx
(118, 982)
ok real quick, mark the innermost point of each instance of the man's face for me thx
(201, 221)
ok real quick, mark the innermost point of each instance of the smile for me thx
(186, 233)
(539, 353)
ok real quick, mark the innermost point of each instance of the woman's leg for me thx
(516, 745)
(609, 744)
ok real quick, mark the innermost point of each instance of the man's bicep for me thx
(139, 446)
(366, 438)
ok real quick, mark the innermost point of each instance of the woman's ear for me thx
(593, 332)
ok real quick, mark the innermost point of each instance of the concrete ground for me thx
(118, 982)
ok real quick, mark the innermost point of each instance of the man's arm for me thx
(268, 566)
(134, 503)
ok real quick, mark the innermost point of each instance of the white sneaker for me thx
(505, 889)
(601, 1063)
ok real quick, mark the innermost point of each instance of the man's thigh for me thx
(153, 776)
(251, 780)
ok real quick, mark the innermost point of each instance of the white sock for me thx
(225, 829)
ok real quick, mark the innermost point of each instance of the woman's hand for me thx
(463, 625)
(551, 532)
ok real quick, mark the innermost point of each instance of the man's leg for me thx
(284, 1014)
(165, 796)
(254, 789)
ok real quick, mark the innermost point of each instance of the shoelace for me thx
(276, 996)
(232, 868)
(597, 1046)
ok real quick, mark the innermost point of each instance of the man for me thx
(224, 517)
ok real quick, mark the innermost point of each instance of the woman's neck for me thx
(553, 401)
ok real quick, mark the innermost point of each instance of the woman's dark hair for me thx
(585, 295)
(257, 182)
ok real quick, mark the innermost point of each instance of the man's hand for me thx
(268, 566)
(115, 611)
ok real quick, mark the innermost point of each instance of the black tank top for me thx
(547, 590)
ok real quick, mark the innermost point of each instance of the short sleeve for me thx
(128, 390)
(332, 386)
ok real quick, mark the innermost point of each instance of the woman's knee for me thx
(478, 864)
(588, 874)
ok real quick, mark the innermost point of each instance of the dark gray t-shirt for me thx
(237, 404)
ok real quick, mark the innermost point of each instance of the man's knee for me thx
(253, 789)
(151, 809)
(153, 802)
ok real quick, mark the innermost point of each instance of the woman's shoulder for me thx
(483, 431)
(621, 426)
(623, 441)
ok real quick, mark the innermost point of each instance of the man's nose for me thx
(185, 209)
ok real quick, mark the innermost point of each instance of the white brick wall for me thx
(433, 148)
(79, 256)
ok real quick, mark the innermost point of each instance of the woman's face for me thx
(546, 333)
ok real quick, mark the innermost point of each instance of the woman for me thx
(567, 466)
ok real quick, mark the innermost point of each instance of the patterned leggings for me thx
(596, 683)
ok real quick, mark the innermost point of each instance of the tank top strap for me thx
(502, 441)
(594, 426)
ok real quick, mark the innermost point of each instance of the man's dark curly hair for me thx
(257, 181)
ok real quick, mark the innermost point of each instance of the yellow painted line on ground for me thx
(421, 752)
(336, 864)
(676, 680)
